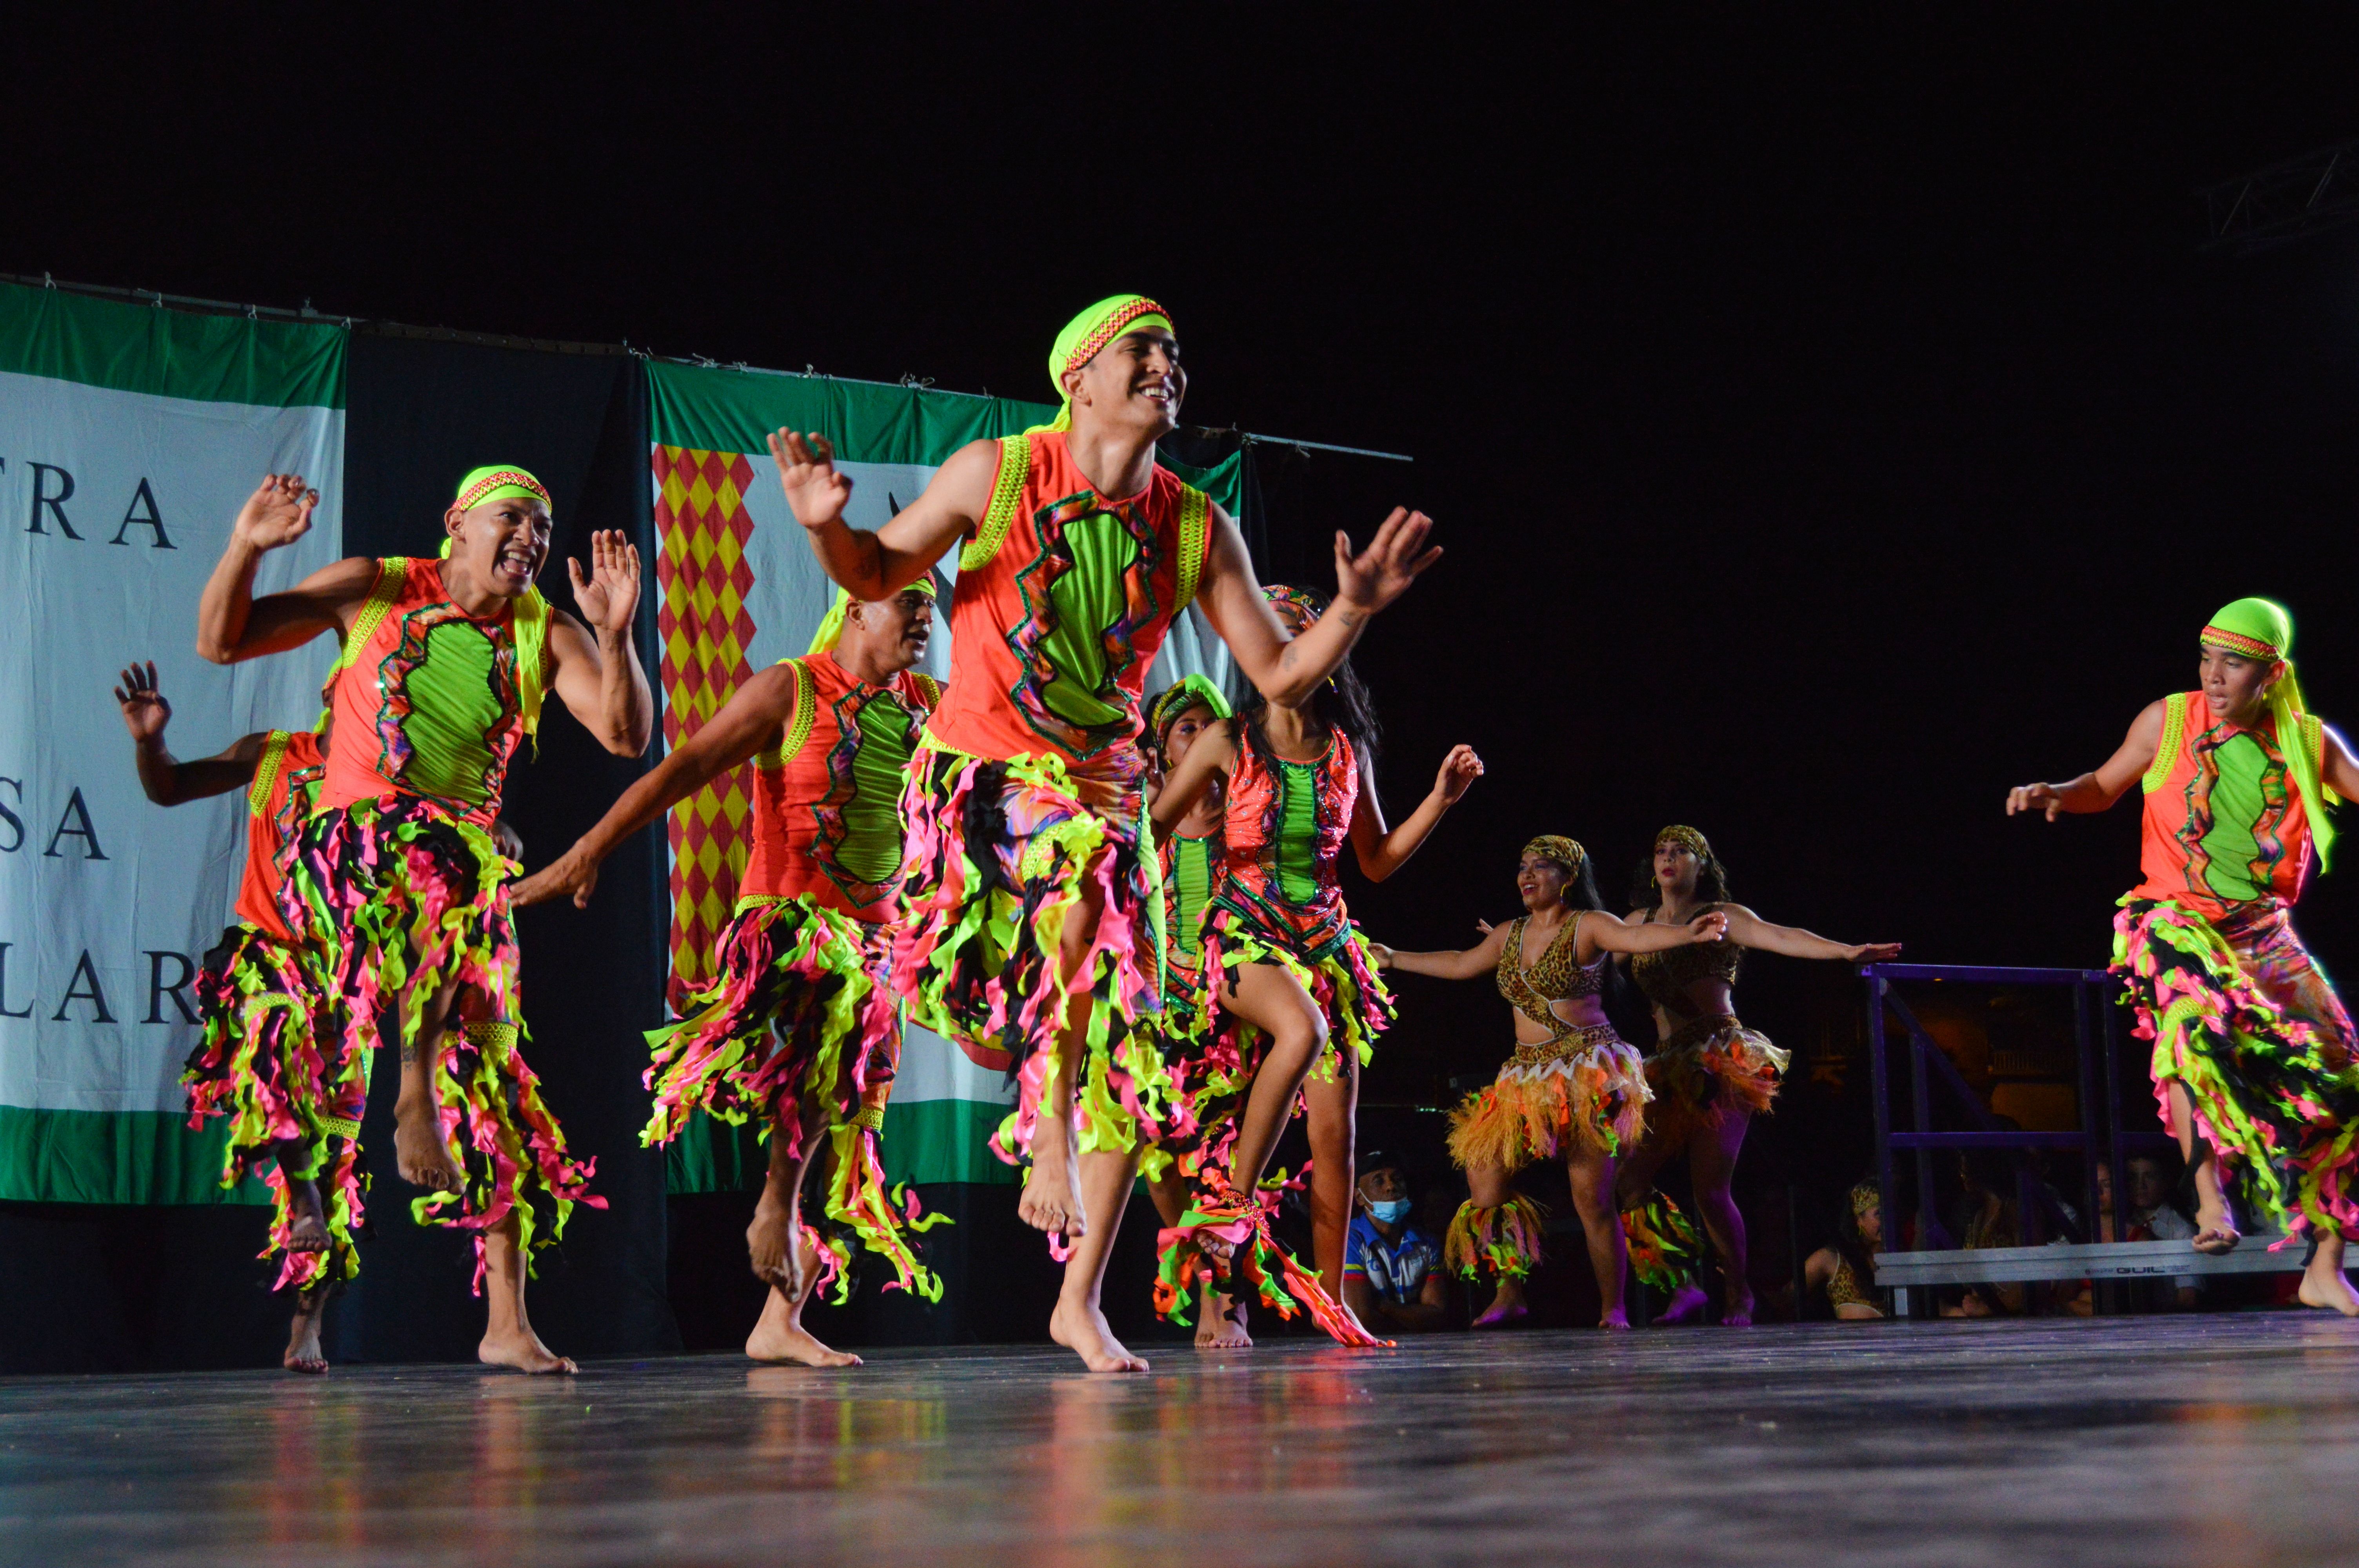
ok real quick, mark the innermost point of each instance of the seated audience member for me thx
(2152, 1217)
(1392, 1272)
(1843, 1272)
(1987, 1219)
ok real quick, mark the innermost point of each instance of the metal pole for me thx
(1880, 1091)
(2119, 1166)
(1920, 1096)
(2085, 1063)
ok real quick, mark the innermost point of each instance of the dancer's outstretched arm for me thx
(1616, 935)
(1366, 582)
(880, 565)
(755, 718)
(1464, 963)
(1213, 753)
(232, 624)
(1382, 850)
(2097, 791)
(166, 780)
(2342, 769)
(1747, 929)
(597, 673)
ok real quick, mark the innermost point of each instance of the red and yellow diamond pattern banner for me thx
(702, 572)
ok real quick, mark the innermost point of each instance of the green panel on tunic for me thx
(2250, 784)
(1298, 830)
(1087, 600)
(452, 708)
(872, 821)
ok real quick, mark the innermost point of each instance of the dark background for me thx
(1830, 422)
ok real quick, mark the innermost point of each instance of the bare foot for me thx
(2215, 1229)
(1051, 1199)
(303, 1352)
(775, 1263)
(2324, 1285)
(782, 1336)
(1505, 1307)
(1687, 1304)
(522, 1349)
(1083, 1331)
(419, 1152)
(1220, 1323)
(1617, 1319)
(1740, 1311)
(307, 1221)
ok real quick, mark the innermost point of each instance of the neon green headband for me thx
(830, 628)
(1090, 331)
(1188, 691)
(497, 482)
(2259, 627)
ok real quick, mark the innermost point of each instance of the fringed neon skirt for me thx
(1710, 1065)
(416, 900)
(1502, 1241)
(273, 1059)
(1585, 1091)
(799, 1029)
(2241, 1017)
(997, 855)
(1224, 1237)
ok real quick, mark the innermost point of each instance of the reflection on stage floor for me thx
(2145, 1441)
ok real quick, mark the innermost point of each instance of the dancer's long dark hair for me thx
(1340, 703)
(1712, 881)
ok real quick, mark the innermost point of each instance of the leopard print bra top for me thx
(1553, 977)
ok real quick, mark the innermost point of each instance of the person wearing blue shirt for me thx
(1392, 1272)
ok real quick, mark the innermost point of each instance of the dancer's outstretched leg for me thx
(1219, 1319)
(1331, 1108)
(1488, 1187)
(303, 1352)
(419, 1150)
(2215, 1222)
(1712, 1149)
(307, 1216)
(508, 1338)
(772, 1242)
(1634, 1187)
(1592, 1176)
(1274, 1002)
(2323, 1282)
(1078, 1324)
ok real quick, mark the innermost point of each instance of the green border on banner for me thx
(714, 410)
(151, 1153)
(170, 353)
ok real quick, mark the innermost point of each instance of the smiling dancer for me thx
(1190, 853)
(799, 1032)
(1711, 1075)
(271, 1058)
(1299, 1003)
(1032, 885)
(2251, 1048)
(441, 675)
(1574, 1089)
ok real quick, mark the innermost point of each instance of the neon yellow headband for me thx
(1090, 331)
(2256, 628)
(830, 628)
(497, 482)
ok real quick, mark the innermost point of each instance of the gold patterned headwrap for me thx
(1688, 838)
(1866, 1198)
(1566, 852)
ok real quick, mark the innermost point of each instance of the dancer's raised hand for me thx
(2035, 797)
(608, 595)
(1459, 771)
(144, 711)
(1376, 576)
(279, 513)
(816, 490)
(573, 873)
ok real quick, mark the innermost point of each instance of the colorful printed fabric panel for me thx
(1286, 828)
(2224, 823)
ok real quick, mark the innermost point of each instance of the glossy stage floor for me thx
(2142, 1440)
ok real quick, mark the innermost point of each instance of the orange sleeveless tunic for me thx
(285, 785)
(427, 703)
(1063, 598)
(2224, 823)
(826, 822)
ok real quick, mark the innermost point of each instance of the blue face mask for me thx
(1392, 1211)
